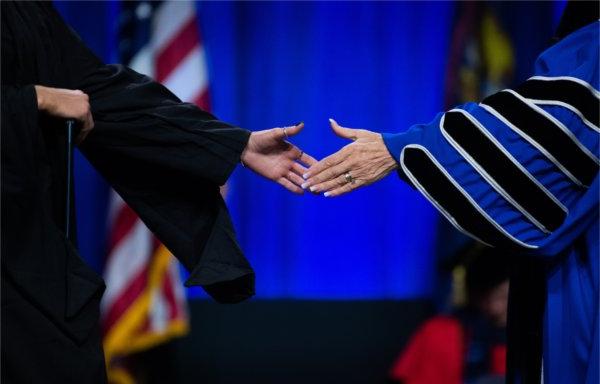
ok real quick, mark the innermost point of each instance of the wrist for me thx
(390, 162)
(247, 149)
(40, 92)
(394, 142)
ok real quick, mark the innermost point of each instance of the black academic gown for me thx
(164, 157)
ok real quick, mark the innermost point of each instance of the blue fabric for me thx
(571, 318)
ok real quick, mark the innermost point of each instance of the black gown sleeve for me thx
(166, 159)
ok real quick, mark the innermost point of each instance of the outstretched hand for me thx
(269, 154)
(360, 163)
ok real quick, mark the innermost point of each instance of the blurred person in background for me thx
(469, 344)
(166, 159)
(517, 171)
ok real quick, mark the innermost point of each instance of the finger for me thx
(329, 185)
(328, 162)
(88, 125)
(327, 175)
(299, 169)
(294, 130)
(290, 186)
(299, 155)
(295, 178)
(307, 159)
(346, 133)
(341, 190)
(82, 135)
(285, 132)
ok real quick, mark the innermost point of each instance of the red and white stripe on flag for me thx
(175, 56)
(144, 303)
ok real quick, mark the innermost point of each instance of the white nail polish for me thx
(326, 194)
(312, 189)
(304, 185)
(306, 176)
(331, 120)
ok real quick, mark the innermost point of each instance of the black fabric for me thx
(164, 157)
(566, 91)
(546, 133)
(486, 268)
(441, 190)
(36, 350)
(506, 174)
(526, 303)
(167, 165)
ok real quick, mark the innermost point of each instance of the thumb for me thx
(346, 133)
(286, 132)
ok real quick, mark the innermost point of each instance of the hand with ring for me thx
(360, 163)
(269, 154)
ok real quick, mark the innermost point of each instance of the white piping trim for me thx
(461, 190)
(490, 179)
(515, 161)
(534, 143)
(557, 123)
(569, 107)
(439, 207)
(569, 78)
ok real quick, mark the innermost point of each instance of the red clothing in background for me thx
(435, 354)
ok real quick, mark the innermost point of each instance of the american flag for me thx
(144, 303)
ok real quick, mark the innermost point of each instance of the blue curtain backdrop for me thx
(378, 66)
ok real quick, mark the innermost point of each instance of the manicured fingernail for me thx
(312, 189)
(306, 176)
(331, 120)
(302, 122)
(304, 185)
(327, 194)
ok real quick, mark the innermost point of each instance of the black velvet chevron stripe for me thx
(518, 185)
(566, 91)
(450, 198)
(546, 134)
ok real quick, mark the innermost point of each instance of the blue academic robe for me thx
(520, 170)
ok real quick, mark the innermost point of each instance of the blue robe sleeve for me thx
(519, 169)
